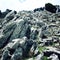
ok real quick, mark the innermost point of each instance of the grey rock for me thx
(18, 54)
(53, 57)
(5, 55)
(10, 15)
(7, 32)
(20, 30)
(39, 57)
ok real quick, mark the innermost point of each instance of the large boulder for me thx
(51, 8)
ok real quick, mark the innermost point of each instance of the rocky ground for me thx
(29, 35)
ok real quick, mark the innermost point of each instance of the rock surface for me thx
(27, 34)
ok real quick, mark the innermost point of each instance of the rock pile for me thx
(25, 34)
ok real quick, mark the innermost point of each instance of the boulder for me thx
(51, 8)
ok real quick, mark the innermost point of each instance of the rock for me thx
(53, 57)
(21, 30)
(51, 8)
(32, 50)
(36, 52)
(20, 48)
(39, 9)
(10, 16)
(15, 43)
(34, 34)
(52, 50)
(18, 54)
(39, 57)
(3, 14)
(28, 32)
(48, 41)
(30, 59)
(40, 24)
(7, 32)
(22, 33)
(29, 48)
(5, 55)
(0, 14)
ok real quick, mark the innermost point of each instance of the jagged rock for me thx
(29, 52)
(35, 27)
(39, 57)
(39, 9)
(51, 8)
(5, 55)
(3, 14)
(36, 52)
(34, 34)
(10, 15)
(7, 34)
(48, 41)
(52, 50)
(18, 54)
(20, 48)
(21, 30)
(32, 50)
(15, 43)
(0, 13)
(53, 57)
(40, 24)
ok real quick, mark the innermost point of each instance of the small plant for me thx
(44, 58)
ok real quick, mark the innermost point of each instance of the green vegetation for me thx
(44, 58)
(42, 48)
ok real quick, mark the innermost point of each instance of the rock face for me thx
(19, 49)
(51, 8)
(27, 34)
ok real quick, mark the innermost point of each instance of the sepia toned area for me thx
(30, 35)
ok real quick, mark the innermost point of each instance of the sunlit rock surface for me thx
(29, 35)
